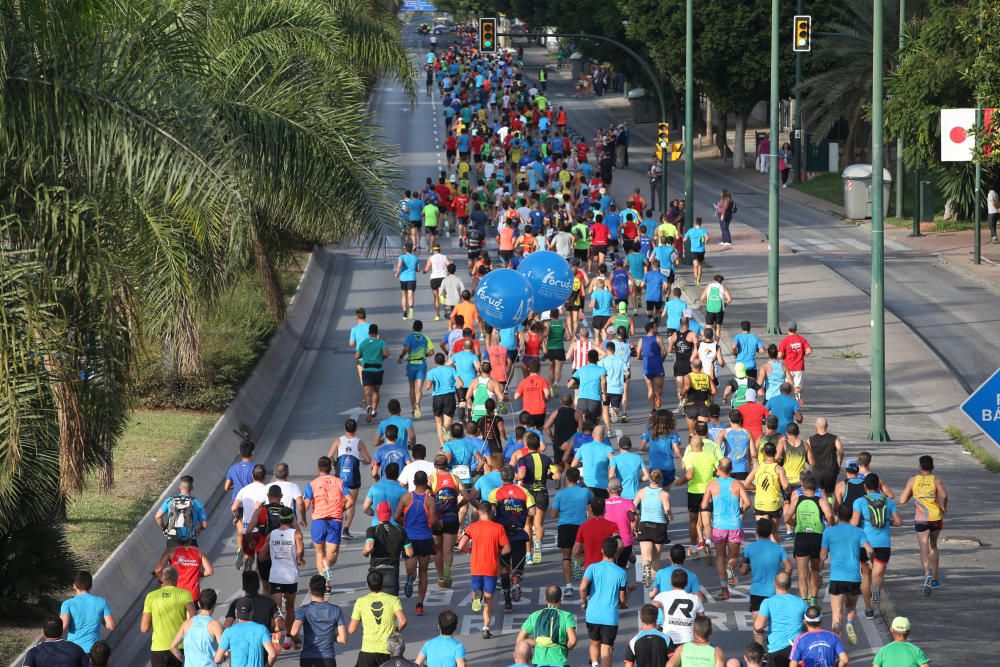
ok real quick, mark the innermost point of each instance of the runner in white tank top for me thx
(285, 551)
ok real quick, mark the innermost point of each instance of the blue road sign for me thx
(417, 6)
(983, 407)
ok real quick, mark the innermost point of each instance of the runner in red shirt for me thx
(561, 118)
(535, 391)
(461, 208)
(592, 534)
(582, 149)
(600, 235)
(754, 414)
(191, 566)
(451, 147)
(793, 350)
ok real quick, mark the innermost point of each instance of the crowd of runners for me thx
(768, 507)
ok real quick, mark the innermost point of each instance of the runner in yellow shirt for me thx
(931, 499)
(379, 615)
(699, 469)
(770, 483)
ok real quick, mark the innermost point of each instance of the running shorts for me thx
(698, 256)
(605, 634)
(924, 526)
(566, 535)
(443, 404)
(487, 585)
(436, 283)
(882, 555)
(424, 547)
(807, 545)
(715, 318)
(408, 285)
(653, 531)
(371, 378)
(326, 531)
(720, 536)
(845, 588)
(694, 502)
(590, 408)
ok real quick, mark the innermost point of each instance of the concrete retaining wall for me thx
(126, 574)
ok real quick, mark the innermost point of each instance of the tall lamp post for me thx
(878, 431)
(899, 140)
(772, 190)
(688, 116)
(797, 121)
(977, 239)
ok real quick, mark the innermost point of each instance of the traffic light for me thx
(487, 35)
(663, 136)
(676, 151)
(802, 39)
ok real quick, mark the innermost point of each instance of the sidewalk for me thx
(922, 399)
(589, 112)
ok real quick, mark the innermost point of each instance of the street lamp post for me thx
(899, 140)
(688, 116)
(977, 240)
(772, 191)
(878, 431)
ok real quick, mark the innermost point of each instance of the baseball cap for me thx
(384, 511)
(852, 465)
(619, 262)
(900, 624)
(740, 370)
(244, 609)
(792, 326)
(751, 395)
(622, 307)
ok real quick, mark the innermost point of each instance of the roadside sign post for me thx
(983, 407)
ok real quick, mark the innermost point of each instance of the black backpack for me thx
(271, 518)
(877, 509)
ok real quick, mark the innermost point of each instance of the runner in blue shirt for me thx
(782, 615)
(674, 309)
(746, 347)
(628, 467)
(388, 489)
(406, 271)
(817, 647)
(444, 650)
(358, 335)
(241, 473)
(443, 382)
(842, 543)
(404, 425)
(593, 456)
(654, 281)
(764, 559)
(876, 514)
(592, 382)
(698, 237)
(601, 592)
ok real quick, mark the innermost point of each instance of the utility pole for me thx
(899, 140)
(797, 122)
(688, 116)
(772, 191)
(878, 431)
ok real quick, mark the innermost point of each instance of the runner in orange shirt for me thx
(535, 391)
(489, 540)
(468, 311)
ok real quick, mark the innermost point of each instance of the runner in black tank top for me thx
(824, 464)
(562, 424)
(682, 349)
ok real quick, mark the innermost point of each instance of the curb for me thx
(125, 576)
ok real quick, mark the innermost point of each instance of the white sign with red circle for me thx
(957, 140)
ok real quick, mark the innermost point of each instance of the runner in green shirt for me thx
(430, 216)
(372, 352)
(581, 243)
(553, 631)
(699, 469)
(900, 652)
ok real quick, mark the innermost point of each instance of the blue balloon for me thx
(550, 277)
(503, 298)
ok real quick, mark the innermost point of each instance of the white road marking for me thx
(854, 243)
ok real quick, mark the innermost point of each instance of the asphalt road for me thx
(324, 392)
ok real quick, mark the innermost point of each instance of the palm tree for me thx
(150, 151)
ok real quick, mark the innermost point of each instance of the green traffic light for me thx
(487, 43)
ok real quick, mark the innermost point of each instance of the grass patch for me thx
(968, 444)
(234, 334)
(848, 354)
(828, 187)
(14, 639)
(155, 447)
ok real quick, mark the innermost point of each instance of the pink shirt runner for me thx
(616, 510)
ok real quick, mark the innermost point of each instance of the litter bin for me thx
(858, 191)
(643, 109)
